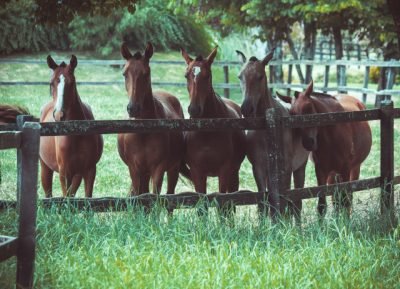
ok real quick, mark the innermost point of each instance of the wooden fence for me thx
(227, 85)
(273, 124)
(23, 246)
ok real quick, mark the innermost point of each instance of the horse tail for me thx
(185, 171)
(9, 113)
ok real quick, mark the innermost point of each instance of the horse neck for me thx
(265, 103)
(326, 104)
(214, 106)
(75, 111)
(150, 105)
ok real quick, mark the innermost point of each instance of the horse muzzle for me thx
(133, 110)
(194, 110)
(309, 143)
(59, 115)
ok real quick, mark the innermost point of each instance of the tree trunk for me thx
(293, 51)
(394, 8)
(310, 31)
(341, 69)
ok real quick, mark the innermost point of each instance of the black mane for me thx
(137, 55)
(321, 94)
(199, 58)
(253, 58)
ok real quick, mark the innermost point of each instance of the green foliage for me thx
(20, 33)
(151, 22)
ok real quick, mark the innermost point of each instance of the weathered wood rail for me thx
(341, 85)
(23, 246)
(386, 114)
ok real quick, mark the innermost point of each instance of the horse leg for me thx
(73, 185)
(200, 186)
(343, 199)
(321, 179)
(89, 178)
(298, 177)
(172, 175)
(157, 178)
(228, 182)
(46, 175)
(135, 178)
(260, 176)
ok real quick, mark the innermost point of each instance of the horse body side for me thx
(73, 157)
(337, 150)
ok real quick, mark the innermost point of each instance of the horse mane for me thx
(253, 58)
(199, 58)
(9, 113)
(63, 64)
(321, 94)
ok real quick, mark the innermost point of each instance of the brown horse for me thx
(73, 157)
(9, 113)
(337, 150)
(149, 155)
(218, 154)
(257, 99)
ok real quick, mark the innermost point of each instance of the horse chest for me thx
(210, 150)
(145, 150)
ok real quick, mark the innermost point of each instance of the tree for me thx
(63, 11)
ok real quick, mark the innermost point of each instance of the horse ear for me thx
(125, 51)
(51, 63)
(241, 55)
(186, 56)
(268, 57)
(309, 89)
(148, 53)
(284, 98)
(73, 62)
(210, 58)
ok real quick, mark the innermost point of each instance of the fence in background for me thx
(227, 85)
(273, 124)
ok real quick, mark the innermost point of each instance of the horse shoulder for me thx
(233, 108)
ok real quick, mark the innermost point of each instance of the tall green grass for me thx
(135, 250)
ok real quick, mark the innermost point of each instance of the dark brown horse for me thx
(337, 150)
(257, 99)
(73, 157)
(215, 154)
(9, 113)
(149, 155)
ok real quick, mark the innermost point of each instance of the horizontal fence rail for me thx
(159, 125)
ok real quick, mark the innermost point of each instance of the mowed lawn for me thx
(135, 250)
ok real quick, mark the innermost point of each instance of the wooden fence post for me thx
(226, 80)
(274, 133)
(21, 119)
(387, 155)
(326, 78)
(366, 80)
(341, 81)
(290, 72)
(27, 194)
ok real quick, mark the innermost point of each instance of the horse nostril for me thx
(309, 143)
(133, 110)
(194, 110)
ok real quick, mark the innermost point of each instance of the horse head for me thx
(253, 82)
(302, 104)
(137, 78)
(63, 86)
(199, 81)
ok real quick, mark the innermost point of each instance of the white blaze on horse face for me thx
(196, 71)
(60, 94)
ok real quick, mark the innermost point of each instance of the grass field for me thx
(134, 250)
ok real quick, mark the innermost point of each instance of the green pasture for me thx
(136, 250)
